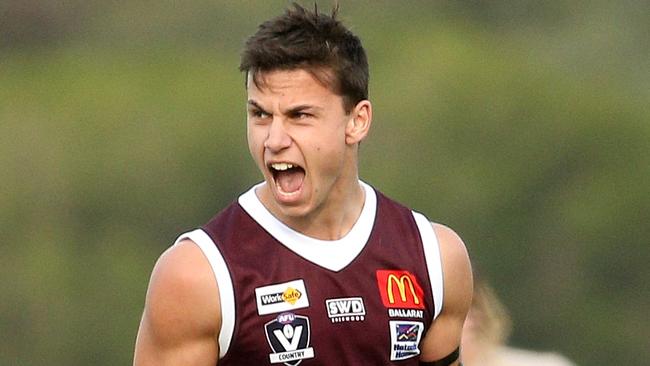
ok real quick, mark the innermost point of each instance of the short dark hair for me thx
(316, 42)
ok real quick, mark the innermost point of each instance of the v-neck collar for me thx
(330, 254)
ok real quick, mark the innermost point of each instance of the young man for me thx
(312, 265)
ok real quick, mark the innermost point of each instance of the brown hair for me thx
(316, 42)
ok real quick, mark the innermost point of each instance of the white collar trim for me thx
(330, 254)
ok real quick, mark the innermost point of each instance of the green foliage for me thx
(516, 127)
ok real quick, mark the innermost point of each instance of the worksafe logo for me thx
(349, 309)
(405, 339)
(291, 295)
(289, 335)
(281, 297)
(400, 289)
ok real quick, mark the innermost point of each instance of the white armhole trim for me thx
(222, 276)
(432, 258)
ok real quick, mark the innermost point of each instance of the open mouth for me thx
(288, 177)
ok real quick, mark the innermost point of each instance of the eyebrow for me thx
(253, 103)
(292, 110)
(301, 108)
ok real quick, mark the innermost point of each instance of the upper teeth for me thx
(282, 166)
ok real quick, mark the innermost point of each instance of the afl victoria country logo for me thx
(288, 335)
(400, 289)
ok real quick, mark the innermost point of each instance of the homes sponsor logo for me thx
(405, 339)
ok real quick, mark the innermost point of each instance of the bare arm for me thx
(443, 337)
(182, 318)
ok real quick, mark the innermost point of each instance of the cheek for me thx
(255, 144)
(329, 156)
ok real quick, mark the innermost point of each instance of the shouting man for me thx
(312, 265)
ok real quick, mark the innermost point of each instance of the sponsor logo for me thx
(289, 335)
(405, 339)
(348, 309)
(290, 295)
(405, 313)
(281, 297)
(400, 289)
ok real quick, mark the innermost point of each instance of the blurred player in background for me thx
(486, 331)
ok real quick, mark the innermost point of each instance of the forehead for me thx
(294, 83)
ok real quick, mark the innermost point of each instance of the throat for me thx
(331, 221)
(290, 180)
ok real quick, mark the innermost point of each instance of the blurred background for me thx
(523, 125)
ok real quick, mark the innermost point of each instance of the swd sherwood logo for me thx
(289, 336)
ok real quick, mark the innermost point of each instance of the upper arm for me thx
(181, 319)
(443, 337)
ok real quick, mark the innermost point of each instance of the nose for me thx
(278, 138)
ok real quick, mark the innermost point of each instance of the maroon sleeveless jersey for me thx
(288, 299)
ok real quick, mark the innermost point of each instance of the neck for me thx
(335, 219)
(332, 219)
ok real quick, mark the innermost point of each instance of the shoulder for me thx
(183, 286)
(181, 317)
(450, 241)
(457, 270)
(445, 332)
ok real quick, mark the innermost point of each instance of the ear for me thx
(359, 124)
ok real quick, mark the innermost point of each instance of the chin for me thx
(295, 211)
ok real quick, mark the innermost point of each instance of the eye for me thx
(301, 115)
(257, 113)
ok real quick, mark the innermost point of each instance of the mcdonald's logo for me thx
(400, 289)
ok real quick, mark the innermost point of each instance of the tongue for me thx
(290, 180)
